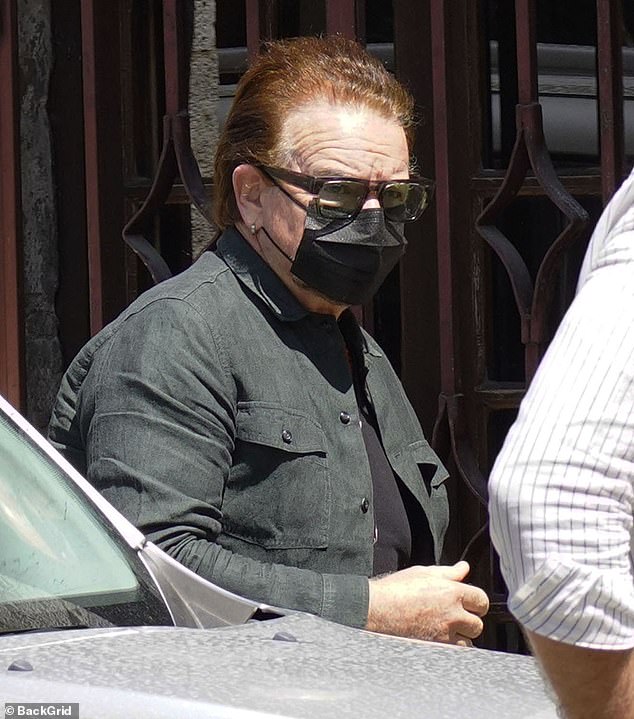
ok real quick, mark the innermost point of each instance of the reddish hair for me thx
(285, 76)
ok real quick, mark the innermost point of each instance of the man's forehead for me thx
(322, 117)
(324, 135)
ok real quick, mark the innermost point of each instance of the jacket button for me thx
(287, 437)
(365, 505)
(344, 418)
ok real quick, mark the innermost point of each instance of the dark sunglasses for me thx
(341, 198)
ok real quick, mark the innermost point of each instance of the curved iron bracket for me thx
(176, 160)
(532, 302)
(450, 436)
(477, 544)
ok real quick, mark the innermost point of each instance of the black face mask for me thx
(347, 260)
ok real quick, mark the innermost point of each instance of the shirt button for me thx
(344, 418)
(287, 437)
(365, 505)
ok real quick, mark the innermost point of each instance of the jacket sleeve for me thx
(158, 422)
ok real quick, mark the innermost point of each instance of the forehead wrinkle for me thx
(328, 140)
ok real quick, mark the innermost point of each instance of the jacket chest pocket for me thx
(278, 492)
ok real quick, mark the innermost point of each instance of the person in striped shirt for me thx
(562, 488)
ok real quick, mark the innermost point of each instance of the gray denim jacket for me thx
(214, 414)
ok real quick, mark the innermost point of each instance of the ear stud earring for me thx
(253, 229)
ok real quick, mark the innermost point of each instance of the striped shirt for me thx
(562, 488)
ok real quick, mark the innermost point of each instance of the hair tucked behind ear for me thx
(285, 76)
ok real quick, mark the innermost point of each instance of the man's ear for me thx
(248, 185)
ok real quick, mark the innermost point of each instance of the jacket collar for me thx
(258, 277)
(253, 272)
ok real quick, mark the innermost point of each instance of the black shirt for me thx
(399, 522)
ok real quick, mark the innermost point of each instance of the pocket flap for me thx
(424, 455)
(281, 427)
(420, 455)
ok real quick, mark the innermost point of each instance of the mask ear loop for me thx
(312, 204)
(254, 233)
(277, 247)
(254, 230)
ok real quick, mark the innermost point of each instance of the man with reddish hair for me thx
(238, 414)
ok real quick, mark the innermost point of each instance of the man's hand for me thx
(427, 603)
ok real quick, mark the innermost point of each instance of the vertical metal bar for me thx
(269, 16)
(104, 171)
(253, 27)
(507, 73)
(347, 18)
(418, 278)
(67, 129)
(440, 72)
(154, 89)
(526, 51)
(92, 162)
(11, 319)
(610, 96)
(176, 91)
(262, 18)
(528, 95)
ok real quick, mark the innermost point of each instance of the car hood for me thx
(295, 666)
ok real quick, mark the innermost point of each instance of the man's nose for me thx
(371, 201)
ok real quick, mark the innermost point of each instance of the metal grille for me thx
(512, 221)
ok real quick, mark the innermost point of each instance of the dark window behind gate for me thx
(521, 110)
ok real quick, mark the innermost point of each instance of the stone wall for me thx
(203, 104)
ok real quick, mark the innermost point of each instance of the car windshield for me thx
(61, 563)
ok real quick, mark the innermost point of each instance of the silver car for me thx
(98, 623)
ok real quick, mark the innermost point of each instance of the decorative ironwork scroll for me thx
(530, 153)
(452, 438)
(176, 159)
